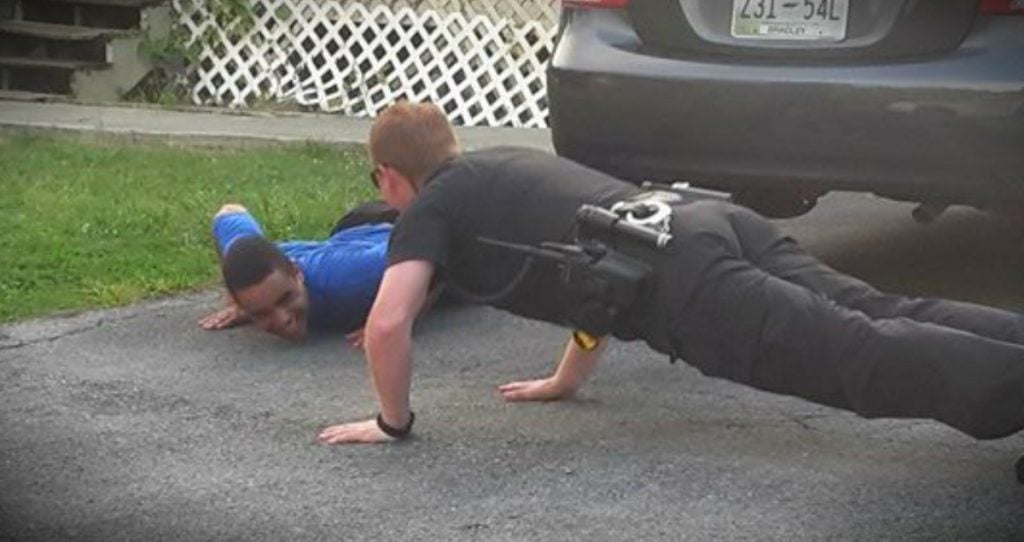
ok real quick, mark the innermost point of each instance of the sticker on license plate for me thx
(823, 20)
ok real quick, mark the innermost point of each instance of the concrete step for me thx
(62, 32)
(111, 3)
(43, 75)
(29, 39)
(37, 75)
(25, 96)
(91, 49)
(49, 64)
(121, 14)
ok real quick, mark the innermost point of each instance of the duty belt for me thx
(604, 281)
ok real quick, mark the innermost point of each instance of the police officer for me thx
(730, 294)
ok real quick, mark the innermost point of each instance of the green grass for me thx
(97, 225)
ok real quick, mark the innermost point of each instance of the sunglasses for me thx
(374, 179)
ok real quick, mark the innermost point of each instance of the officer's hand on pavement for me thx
(227, 317)
(544, 389)
(357, 338)
(354, 433)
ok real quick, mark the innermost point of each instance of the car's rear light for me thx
(595, 3)
(1001, 7)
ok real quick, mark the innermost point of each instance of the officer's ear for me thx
(398, 189)
(385, 175)
(399, 179)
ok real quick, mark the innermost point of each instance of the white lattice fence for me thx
(481, 61)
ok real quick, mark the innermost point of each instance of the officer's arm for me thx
(576, 365)
(388, 345)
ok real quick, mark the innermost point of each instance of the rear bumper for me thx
(950, 126)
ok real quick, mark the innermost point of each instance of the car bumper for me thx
(946, 127)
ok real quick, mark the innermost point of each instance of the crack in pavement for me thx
(802, 420)
(52, 338)
(63, 334)
(41, 331)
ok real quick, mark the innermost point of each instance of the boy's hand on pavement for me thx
(227, 317)
(354, 433)
(544, 389)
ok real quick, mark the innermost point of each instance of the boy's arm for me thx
(225, 229)
(575, 366)
(231, 222)
(388, 345)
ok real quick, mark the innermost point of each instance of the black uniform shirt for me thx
(509, 194)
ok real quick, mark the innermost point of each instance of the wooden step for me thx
(25, 96)
(63, 32)
(45, 63)
(110, 3)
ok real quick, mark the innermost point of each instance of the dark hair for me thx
(249, 260)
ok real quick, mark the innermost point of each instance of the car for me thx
(782, 101)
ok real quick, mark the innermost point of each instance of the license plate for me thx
(809, 20)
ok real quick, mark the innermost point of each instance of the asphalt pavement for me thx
(134, 424)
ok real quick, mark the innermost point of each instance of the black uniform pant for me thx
(767, 314)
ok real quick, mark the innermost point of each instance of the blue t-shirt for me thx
(341, 274)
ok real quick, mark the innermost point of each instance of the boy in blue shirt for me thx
(289, 287)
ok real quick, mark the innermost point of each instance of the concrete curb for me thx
(213, 128)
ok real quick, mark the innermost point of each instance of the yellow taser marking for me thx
(585, 340)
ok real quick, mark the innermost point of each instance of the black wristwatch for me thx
(396, 432)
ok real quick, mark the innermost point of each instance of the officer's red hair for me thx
(414, 138)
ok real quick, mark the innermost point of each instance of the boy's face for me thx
(278, 304)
